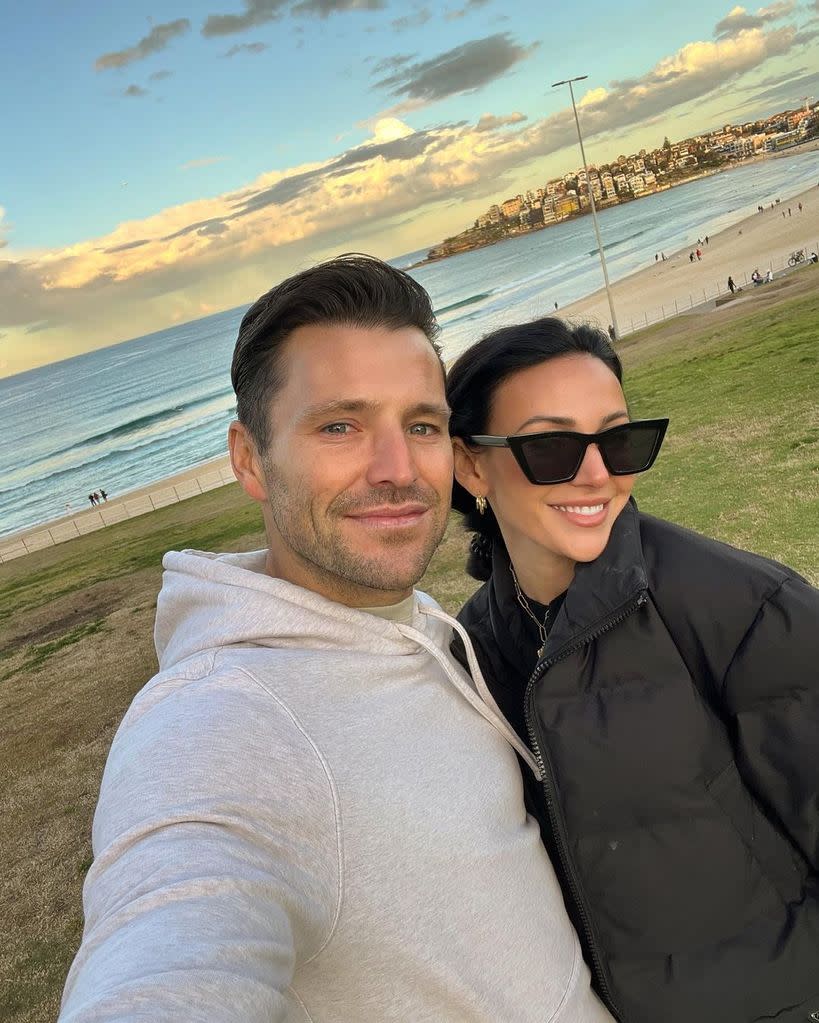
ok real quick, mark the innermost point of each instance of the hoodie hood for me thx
(210, 601)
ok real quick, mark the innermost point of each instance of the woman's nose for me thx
(593, 471)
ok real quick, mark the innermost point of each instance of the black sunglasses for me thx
(556, 456)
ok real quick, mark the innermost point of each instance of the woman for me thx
(666, 683)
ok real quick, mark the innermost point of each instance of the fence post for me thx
(646, 318)
(676, 307)
(663, 309)
(690, 300)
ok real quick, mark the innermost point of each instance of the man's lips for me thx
(391, 515)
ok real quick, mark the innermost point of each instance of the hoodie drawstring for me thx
(482, 701)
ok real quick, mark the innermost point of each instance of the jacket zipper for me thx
(546, 777)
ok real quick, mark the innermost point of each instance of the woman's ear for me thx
(468, 468)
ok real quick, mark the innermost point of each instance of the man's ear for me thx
(468, 468)
(245, 461)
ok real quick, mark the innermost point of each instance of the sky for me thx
(165, 159)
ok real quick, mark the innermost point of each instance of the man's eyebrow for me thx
(426, 408)
(338, 407)
(351, 406)
(569, 423)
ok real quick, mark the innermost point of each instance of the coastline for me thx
(673, 286)
(196, 479)
(656, 291)
(806, 147)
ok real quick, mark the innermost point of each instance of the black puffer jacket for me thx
(676, 715)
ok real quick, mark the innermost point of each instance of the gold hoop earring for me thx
(481, 504)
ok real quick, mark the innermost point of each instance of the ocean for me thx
(125, 416)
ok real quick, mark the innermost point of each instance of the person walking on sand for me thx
(731, 285)
(313, 812)
(103, 495)
(699, 254)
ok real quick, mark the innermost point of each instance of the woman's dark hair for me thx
(351, 290)
(472, 383)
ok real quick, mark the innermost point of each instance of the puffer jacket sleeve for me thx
(771, 690)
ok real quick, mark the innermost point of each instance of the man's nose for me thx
(392, 459)
(593, 471)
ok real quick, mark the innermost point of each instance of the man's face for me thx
(358, 472)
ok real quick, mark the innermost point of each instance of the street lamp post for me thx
(568, 81)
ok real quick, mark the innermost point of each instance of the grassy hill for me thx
(741, 462)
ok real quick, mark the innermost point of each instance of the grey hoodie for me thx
(310, 814)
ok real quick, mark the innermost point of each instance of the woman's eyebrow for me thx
(568, 422)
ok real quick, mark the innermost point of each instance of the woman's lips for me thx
(587, 513)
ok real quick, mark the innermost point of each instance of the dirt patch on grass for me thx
(54, 619)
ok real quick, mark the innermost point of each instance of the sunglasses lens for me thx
(631, 448)
(553, 459)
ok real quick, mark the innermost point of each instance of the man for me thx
(310, 813)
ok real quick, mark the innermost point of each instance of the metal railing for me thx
(702, 296)
(111, 512)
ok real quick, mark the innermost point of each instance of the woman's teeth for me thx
(578, 509)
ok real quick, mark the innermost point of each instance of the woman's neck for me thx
(541, 574)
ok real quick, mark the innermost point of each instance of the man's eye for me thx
(424, 429)
(337, 429)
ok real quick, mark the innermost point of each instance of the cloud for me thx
(739, 19)
(463, 69)
(420, 17)
(203, 161)
(246, 48)
(135, 91)
(785, 91)
(128, 245)
(472, 5)
(260, 12)
(226, 247)
(489, 122)
(392, 63)
(324, 8)
(157, 39)
(159, 76)
(214, 227)
(257, 12)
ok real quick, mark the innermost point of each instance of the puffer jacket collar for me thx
(600, 588)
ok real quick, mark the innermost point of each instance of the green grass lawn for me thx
(740, 462)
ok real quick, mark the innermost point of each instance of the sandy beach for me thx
(661, 289)
(761, 241)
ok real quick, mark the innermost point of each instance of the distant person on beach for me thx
(612, 333)
(814, 258)
(103, 495)
(768, 276)
(731, 285)
(312, 811)
(756, 277)
(93, 499)
(555, 305)
(691, 257)
(666, 683)
(699, 253)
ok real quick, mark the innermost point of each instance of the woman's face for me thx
(556, 525)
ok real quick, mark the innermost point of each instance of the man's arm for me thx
(216, 868)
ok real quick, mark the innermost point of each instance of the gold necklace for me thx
(524, 603)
